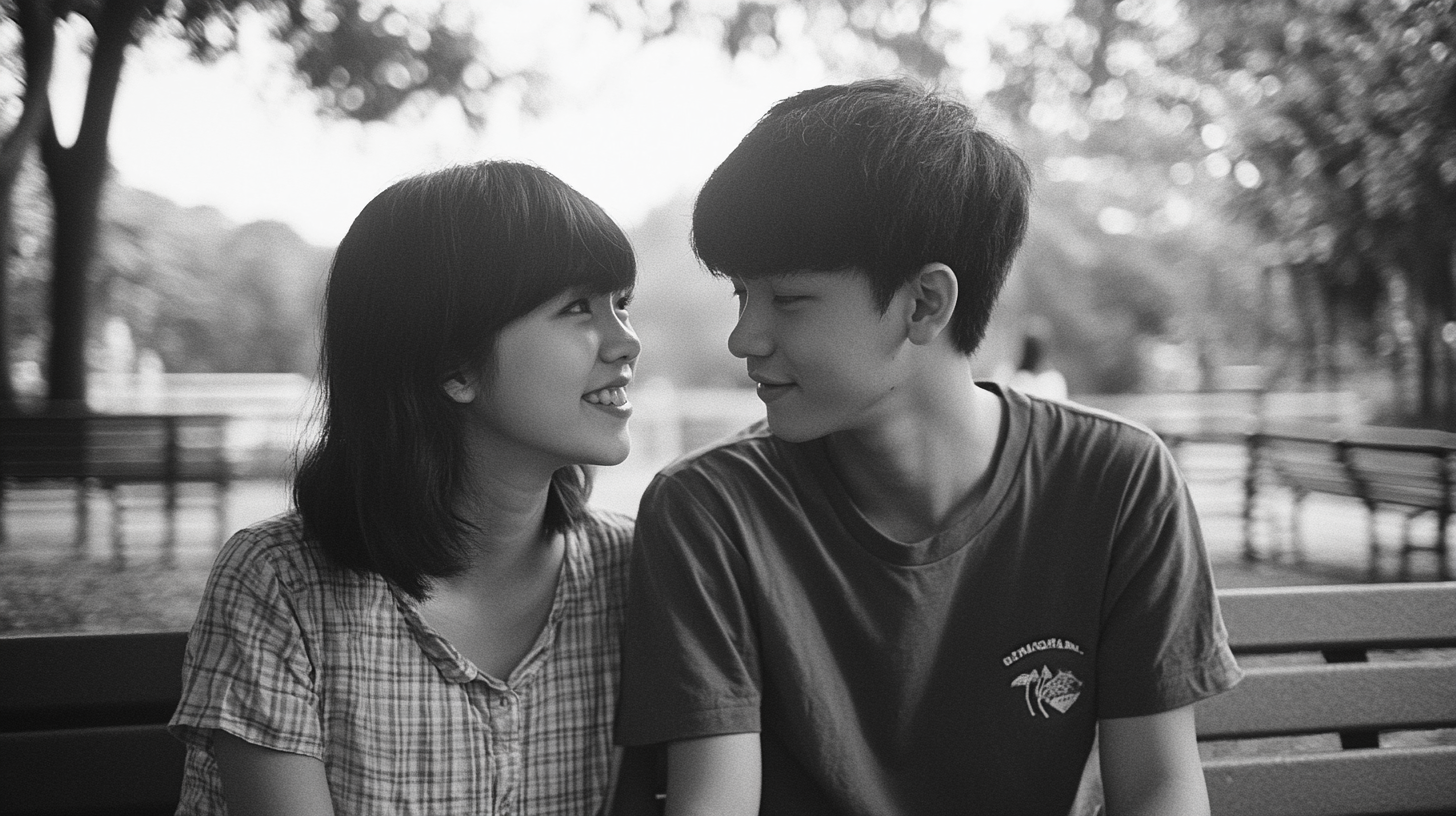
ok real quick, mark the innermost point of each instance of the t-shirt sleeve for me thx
(689, 650)
(247, 670)
(1162, 644)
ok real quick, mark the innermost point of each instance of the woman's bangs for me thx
(599, 257)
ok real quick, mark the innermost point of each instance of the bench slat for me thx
(61, 680)
(1349, 783)
(1327, 698)
(1388, 616)
(126, 770)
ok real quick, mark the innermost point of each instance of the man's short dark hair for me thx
(882, 176)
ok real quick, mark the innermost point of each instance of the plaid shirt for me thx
(294, 654)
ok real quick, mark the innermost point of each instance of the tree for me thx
(365, 60)
(912, 36)
(38, 48)
(1343, 124)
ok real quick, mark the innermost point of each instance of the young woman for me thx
(434, 629)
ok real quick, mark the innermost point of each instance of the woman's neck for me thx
(494, 610)
(504, 519)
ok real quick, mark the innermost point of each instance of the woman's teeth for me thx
(608, 396)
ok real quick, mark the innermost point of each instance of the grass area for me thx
(75, 595)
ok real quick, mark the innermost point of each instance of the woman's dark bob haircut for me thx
(430, 272)
(880, 176)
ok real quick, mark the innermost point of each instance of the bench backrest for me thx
(83, 723)
(1409, 467)
(1334, 679)
(114, 447)
(1309, 464)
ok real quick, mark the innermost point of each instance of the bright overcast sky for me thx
(629, 127)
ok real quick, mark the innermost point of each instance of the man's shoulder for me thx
(1092, 430)
(744, 452)
(744, 470)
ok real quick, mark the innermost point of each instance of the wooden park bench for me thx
(83, 724)
(1373, 664)
(1409, 470)
(112, 450)
(1366, 672)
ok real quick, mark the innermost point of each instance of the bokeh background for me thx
(1235, 200)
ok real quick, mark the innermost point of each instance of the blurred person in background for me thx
(434, 628)
(1034, 374)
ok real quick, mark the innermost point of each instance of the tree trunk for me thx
(76, 175)
(38, 40)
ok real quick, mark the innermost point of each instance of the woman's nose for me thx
(621, 342)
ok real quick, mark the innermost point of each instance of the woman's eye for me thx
(785, 300)
(623, 302)
(582, 306)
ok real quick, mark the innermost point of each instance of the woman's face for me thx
(557, 392)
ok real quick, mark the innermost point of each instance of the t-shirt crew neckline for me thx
(960, 533)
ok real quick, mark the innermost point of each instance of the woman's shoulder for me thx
(607, 528)
(605, 538)
(279, 548)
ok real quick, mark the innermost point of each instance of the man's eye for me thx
(582, 306)
(785, 300)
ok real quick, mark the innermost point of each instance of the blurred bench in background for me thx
(1269, 444)
(1228, 414)
(112, 450)
(1407, 469)
(1372, 664)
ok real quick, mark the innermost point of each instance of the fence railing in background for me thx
(271, 416)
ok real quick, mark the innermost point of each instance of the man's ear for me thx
(461, 387)
(932, 293)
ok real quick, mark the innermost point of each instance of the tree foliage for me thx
(1342, 119)
(1325, 125)
(364, 59)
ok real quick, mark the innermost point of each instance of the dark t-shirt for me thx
(963, 673)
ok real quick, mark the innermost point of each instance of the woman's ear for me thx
(461, 387)
(933, 291)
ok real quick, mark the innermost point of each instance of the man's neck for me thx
(926, 463)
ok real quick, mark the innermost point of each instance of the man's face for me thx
(821, 350)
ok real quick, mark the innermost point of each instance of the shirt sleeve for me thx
(690, 663)
(247, 670)
(1163, 644)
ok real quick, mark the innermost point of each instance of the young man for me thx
(908, 592)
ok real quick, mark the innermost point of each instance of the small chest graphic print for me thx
(1043, 689)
